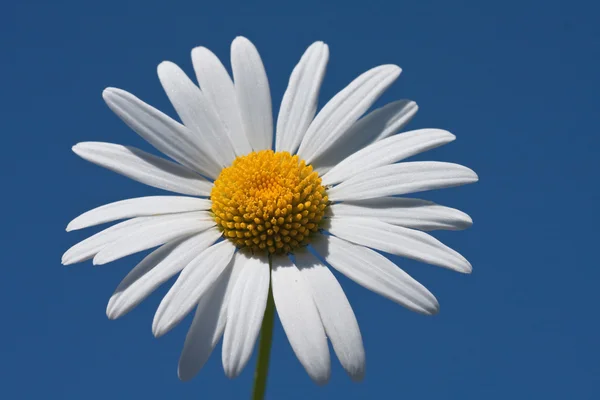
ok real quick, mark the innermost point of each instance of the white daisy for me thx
(271, 216)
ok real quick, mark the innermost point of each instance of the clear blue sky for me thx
(516, 81)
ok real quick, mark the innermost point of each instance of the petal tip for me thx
(319, 45)
(199, 49)
(109, 92)
(358, 375)
(77, 148)
(184, 375)
(164, 67)
(240, 40)
(320, 372)
(321, 379)
(74, 225)
(391, 69)
(66, 260)
(231, 372)
(112, 309)
(203, 54)
(467, 221)
(467, 268)
(99, 260)
(427, 303)
(111, 314)
(433, 308)
(460, 220)
(159, 326)
(158, 331)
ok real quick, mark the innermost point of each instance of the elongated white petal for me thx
(138, 207)
(336, 314)
(386, 121)
(205, 332)
(95, 244)
(299, 103)
(300, 319)
(193, 282)
(410, 213)
(144, 167)
(196, 112)
(376, 125)
(398, 240)
(239, 260)
(89, 247)
(218, 88)
(161, 131)
(156, 232)
(155, 269)
(376, 273)
(344, 109)
(403, 178)
(245, 311)
(203, 336)
(387, 151)
(253, 93)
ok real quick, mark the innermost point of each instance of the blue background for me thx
(516, 81)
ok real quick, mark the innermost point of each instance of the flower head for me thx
(268, 201)
(257, 216)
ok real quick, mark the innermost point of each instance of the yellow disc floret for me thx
(268, 201)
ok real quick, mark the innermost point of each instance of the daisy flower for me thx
(265, 216)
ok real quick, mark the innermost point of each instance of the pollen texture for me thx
(269, 201)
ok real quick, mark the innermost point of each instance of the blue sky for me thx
(516, 81)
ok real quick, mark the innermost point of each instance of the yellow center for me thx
(268, 201)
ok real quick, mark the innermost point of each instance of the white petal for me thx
(299, 103)
(155, 269)
(396, 179)
(144, 167)
(218, 88)
(385, 121)
(239, 260)
(89, 247)
(375, 272)
(193, 282)
(399, 241)
(336, 313)
(300, 319)
(204, 335)
(376, 125)
(245, 311)
(156, 232)
(161, 131)
(138, 207)
(196, 112)
(344, 109)
(205, 332)
(410, 213)
(253, 93)
(387, 151)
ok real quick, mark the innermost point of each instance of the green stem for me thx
(264, 347)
